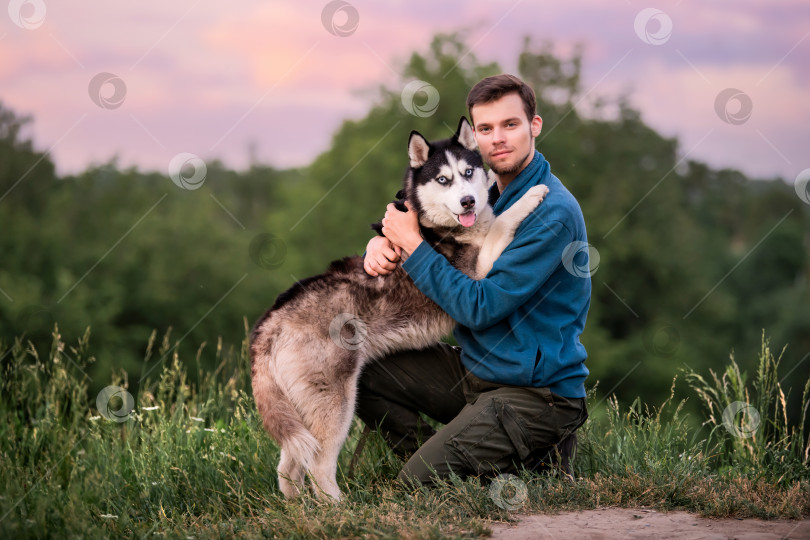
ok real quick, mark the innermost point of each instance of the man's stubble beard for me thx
(509, 169)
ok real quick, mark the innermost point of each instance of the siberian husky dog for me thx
(308, 350)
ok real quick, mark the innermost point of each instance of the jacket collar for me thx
(536, 172)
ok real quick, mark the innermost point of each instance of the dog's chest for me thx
(462, 256)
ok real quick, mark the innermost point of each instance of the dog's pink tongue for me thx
(467, 220)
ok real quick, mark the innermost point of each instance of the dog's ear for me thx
(377, 227)
(399, 203)
(418, 150)
(464, 134)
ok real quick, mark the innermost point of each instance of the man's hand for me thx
(382, 256)
(402, 228)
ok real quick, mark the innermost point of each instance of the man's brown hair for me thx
(497, 86)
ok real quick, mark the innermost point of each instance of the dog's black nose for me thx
(467, 202)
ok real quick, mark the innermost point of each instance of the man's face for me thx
(504, 135)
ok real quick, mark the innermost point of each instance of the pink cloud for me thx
(202, 75)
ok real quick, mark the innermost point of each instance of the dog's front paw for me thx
(537, 193)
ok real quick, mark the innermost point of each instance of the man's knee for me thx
(420, 470)
(414, 474)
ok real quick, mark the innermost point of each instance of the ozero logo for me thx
(268, 251)
(187, 171)
(331, 18)
(580, 259)
(420, 98)
(733, 106)
(347, 331)
(802, 186)
(508, 491)
(99, 90)
(114, 403)
(653, 26)
(741, 419)
(27, 14)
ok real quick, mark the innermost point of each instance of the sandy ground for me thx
(610, 523)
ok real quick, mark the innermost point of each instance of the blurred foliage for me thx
(694, 261)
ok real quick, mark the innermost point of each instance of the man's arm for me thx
(515, 277)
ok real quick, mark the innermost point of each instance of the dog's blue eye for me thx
(468, 173)
(442, 180)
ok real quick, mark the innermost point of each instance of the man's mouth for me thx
(500, 153)
(466, 220)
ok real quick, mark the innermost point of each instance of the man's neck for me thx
(506, 179)
(502, 183)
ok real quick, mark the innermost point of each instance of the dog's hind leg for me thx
(290, 474)
(324, 471)
(324, 467)
(284, 423)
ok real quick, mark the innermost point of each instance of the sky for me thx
(271, 81)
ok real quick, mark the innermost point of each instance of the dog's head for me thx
(446, 181)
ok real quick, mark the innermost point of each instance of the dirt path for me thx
(610, 523)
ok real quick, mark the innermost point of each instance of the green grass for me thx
(193, 461)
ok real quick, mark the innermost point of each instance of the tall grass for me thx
(192, 460)
(751, 424)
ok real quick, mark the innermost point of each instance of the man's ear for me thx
(465, 135)
(536, 125)
(418, 150)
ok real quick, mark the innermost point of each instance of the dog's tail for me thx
(292, 435)
(280, 417)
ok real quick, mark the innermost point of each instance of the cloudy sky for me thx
(149, 80)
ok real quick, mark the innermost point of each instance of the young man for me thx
(513, 394)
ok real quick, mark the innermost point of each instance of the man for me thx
(513, 394)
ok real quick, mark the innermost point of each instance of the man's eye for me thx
(442, 180)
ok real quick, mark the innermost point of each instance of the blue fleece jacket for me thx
(520, 325)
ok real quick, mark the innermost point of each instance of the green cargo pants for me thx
(489, 428)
